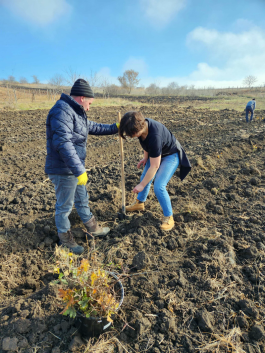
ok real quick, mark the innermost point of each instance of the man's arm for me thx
(101, 129)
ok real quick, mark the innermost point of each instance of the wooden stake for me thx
(122, 172)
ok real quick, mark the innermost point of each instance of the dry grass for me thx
(194, 233)
(230, 342)
(199, 162)
(192, 207)
(104, 345)
(24, 100)
(234, 102)
(190, 232)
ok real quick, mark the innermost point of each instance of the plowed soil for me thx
(197, 288)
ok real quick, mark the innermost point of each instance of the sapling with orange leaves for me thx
(84, 287)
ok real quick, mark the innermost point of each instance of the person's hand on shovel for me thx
(138, 188)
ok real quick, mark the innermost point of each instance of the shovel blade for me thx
(121, 216)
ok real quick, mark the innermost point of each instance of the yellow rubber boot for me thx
(135, 206)
(168, 223)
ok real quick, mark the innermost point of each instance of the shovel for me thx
(122, 215)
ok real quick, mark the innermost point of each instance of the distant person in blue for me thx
(162, 156)
(251, 106)
(67, 130)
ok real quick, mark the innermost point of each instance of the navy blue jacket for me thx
(67, 128)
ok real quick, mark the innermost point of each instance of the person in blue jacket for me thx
(67, 128)
(251, 106)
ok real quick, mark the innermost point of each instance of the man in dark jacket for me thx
(67, 128)
(251, 106)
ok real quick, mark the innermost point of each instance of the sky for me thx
(205, 43)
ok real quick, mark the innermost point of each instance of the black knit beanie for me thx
(81, 89)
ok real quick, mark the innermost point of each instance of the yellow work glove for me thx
(118, 125)
(82, 179)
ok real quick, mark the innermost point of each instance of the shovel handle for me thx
(122, 172)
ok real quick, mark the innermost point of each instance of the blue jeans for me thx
(67, 194)
(168, 166)
(249, 109)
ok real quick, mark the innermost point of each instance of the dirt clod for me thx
(205, 321)
(139, 261)
(10, 344)
(257, 333)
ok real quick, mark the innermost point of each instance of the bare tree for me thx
(113, 89)
(129, 79)
(104, 85)
(71, 76)
(23, 80)
(123, 82)
(93, 79)
(249, 81)
(35, 79)
(152, 89)
(172, 88)
(57, 80)
(11, 79)
(109, 88)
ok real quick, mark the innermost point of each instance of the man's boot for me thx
(94, 229)
(168, 223)
(135, 206)
(67, 240)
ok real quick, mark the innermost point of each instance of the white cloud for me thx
(233, 56)
(161, 12)
(228, 44)
(230, 58)
(38, 12)
(136, 64)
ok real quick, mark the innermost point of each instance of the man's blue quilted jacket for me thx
(67, 128)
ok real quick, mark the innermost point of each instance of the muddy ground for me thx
(198, 288)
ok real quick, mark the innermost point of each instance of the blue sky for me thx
(203, 43)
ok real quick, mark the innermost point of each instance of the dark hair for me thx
(253, 99)
(131, 123)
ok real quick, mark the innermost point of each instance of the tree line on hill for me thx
(129, 82)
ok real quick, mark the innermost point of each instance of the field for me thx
(200, 287)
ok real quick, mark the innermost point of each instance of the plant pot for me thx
(90, 327)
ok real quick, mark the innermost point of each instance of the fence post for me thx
(15, 95)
